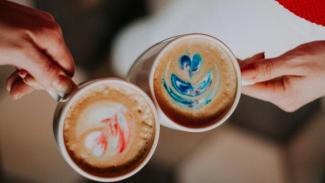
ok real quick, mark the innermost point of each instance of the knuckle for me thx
(48, 16)
(56, 27)
(44, 63)
(55, 30)
(49, 72)
(40, 66)
(300, 66)
(51, 29)
(267, 68)
(25, 34)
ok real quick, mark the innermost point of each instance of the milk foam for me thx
(113, 137)
(194, 81)
(109, 127)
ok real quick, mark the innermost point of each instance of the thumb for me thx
(267, 91)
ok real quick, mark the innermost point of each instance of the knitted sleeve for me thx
(311, 10)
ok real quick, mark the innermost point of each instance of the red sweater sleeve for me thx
(311, 10)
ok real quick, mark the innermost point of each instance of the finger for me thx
(16, 7)
(30, 80)
(259, 57)
(268, 69)
(267, 91)
(45, 71)
(255, 58)
(25, 77)
(19, 89)
(11, 80)
(60, 53)
(51, 41)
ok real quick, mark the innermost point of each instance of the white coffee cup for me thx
(61, 113)
(142, 72)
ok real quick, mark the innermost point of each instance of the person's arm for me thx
(32, 41)
(291, 80)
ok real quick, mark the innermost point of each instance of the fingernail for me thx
(22, 73)
(63, 85)
(16, 96)
(246, 82)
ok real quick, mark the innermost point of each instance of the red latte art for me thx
(109, 129)
(113, 138)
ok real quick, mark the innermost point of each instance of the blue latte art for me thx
(184, 91)
(190, 65)
(188, 89)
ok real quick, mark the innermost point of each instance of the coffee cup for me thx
(193, 79)
(106, 129)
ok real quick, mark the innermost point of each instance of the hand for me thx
(289, 81)
(32, 41)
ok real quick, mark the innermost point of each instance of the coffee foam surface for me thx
(195, 81)
(109, 129)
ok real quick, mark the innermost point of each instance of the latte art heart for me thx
(186, 92)
(190, 65)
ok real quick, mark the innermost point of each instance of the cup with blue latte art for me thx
(193, 79)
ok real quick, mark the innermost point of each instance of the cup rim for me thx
(60, 139)
(233, 59)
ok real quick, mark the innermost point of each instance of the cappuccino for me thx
(109, 129)
(194, 81)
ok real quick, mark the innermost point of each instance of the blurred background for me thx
(260, 143)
